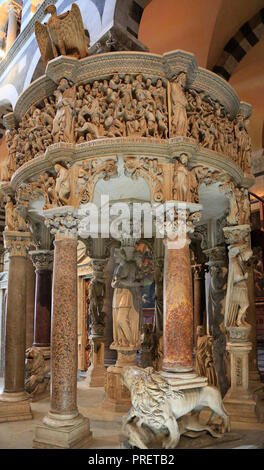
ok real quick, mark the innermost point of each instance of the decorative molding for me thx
(62, 221)
(17, 243)
(42, 259)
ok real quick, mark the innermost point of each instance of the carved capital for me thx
(42, 259)
(14, 7)
(62, 221)
(237, 235)
(98, 266)
(199, 271)
(17, 243)
(179, 220)
(217, 256)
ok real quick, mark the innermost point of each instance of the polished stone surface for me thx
(42, 319)
(15, 326)
(64, 328)
(178, 310)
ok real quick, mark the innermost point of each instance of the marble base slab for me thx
(184, 380)
(65, 437)
(15, 411)
(241, 409)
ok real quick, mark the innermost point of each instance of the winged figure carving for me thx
(62, 34)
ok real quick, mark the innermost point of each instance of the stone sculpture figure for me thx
(36, 379)
(158, 409)
(179, 105)
(147, 345)
(181, 180)
(62, 35)
(204, 356)
(9, 214)
(237, 299)
(126, 309)
(96, 301)
(64, 120)
(62, 186)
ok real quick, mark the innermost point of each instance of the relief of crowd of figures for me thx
(127, 105)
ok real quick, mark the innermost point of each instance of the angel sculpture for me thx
(62, 34)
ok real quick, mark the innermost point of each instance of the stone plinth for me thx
(97, 372)
(75, 436)
(14, 404)
(63, 427)
(117, 394)
(239, 401)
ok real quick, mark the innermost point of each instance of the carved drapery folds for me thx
(212, 127)
(69, 184)
(127, 105)
(127, 281)
(237, 299)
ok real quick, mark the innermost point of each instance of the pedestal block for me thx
(239, 401)
(117, 394)
(75, 436)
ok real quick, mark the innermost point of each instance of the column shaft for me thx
(15, 333)
(42, 317)
(178, 310)
(11, 30)
(30, 300)
(64, 328)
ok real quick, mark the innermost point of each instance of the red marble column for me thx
(178, 309)
(64, 328)
(63, 426)
(42, 313)
(15, 331)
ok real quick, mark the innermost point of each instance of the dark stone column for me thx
(198, 297)
(30, 300)
(14, 403)
(42, 260)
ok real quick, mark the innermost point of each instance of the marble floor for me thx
(106, 427)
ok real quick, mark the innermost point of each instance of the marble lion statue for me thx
(36, 381)
(160, 412)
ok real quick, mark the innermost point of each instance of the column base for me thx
(96, 376)
(14, 407)
(184, 380)
(117, 394)
(76, 436)
(240, 407)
